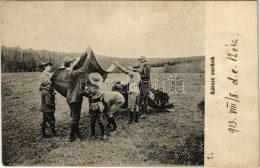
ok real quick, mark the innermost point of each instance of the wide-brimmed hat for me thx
(159, 90)
(44, 64)
(95, 78)
(118, 82)
(142, 59)
(135, 67)
(68, 59)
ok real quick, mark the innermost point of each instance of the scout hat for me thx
(45, 63)
(68, 60)
(118, 82)
(135, 67)
(159, 90)
(95, 78)
(142, 59)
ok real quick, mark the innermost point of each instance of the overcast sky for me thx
(119, 29)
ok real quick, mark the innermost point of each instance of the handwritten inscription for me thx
(232, 96)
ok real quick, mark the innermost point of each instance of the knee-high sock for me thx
(113, 122)
(101, 126)
(93, 124)
(72, 131)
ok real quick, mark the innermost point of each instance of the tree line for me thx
(15, 59)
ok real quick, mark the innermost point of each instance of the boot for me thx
(72, 133)
(113, 122)
(78, 132)
(93, 124)
(103, 138)
(115, 129)
(108, 126)
(131, 117)
(145, 108)
(53, 131)
(136, 117)
(143, 115)
(44, 135)
(102, 130)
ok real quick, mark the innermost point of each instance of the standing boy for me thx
(74, 95)
(144, 85)
(134, 92)
(96, 109)
(47, 99)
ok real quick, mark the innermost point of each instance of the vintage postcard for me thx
(129, 83)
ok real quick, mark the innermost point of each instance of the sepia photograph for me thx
(110, 83)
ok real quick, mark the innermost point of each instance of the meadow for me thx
(161, 139)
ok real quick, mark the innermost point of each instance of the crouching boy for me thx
(111, 100)
(161, 97)
(47, 100)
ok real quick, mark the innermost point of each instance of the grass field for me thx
(162, 139)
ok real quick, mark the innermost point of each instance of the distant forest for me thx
(15, 59)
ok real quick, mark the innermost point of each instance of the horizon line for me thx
(2, 45)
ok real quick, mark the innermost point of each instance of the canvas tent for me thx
(60, 86)
(57, 79)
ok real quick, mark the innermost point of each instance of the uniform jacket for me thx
(71, 78)
(107, 98)
(112, 97)
(47, 93)
(45, 80)
(145, 73)
(48, 101)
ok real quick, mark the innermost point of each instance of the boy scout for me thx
(47, 99)
(74, 95)
(96, 109)
(111, 100)
(144, 85)
(134, 92)
(161, 97)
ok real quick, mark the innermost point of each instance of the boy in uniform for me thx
(144, 85)
(74, 95)
(134, 91)
(161, 97)
(111, 100)
(96, 108)
(47, 99)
